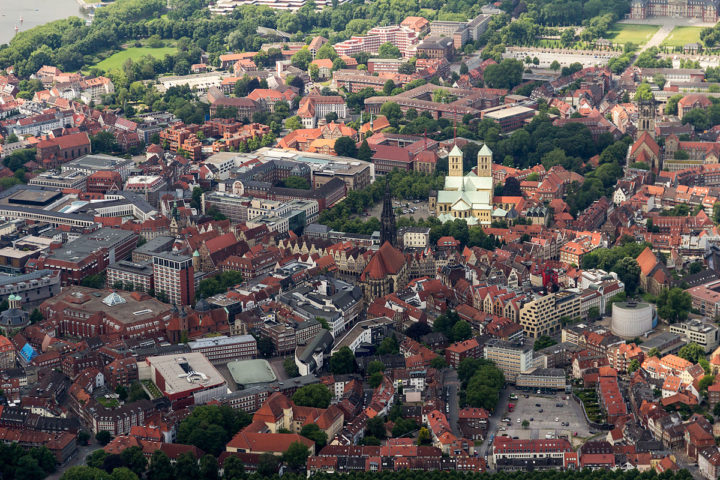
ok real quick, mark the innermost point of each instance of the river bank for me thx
(31, 13)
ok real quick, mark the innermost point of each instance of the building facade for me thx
(174, 276)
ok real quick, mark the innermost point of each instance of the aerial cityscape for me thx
(245, 239)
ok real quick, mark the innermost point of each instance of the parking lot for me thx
(549, 416)
(563, 56)
(409, 208)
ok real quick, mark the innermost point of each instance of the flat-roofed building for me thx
(509, 118)
(13, 258)
(93, 163)
(508, 453)
(187, 379)
(148, 185)
(145, 252)
(130, 275)
(542, 379)
(706, 298)
(63, 180)
(695, 331)
(89, 254)
(87, 312)
(512, 358)
(174, 277)
(337, 302)
(219, 350)
(30, 287)
(542, 315)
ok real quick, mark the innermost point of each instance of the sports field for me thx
(117, 60)
(637, 34)
(680, 36)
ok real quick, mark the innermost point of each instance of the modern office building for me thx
(130, 275)
(542, 315)
(512, 358)
(219, 350)
(93, 163)
(543, 379)
(52, 179)
(695, 331)
(185, 379)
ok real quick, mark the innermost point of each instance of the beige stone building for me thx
(466, 196)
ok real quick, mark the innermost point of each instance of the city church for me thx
(466, 196)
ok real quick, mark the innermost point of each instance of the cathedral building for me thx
(466, 196)
(704, 10)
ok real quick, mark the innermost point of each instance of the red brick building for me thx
(455, 353)
(122, 371)
(78, 312)
(87, 255)
(104, 181)
(55, 151)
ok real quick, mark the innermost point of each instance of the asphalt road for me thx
(452, 386)
(76, 460)
(494, 421)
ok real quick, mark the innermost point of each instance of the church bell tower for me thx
(646, 117)
(484, 162)
(388, 230)
(455, 162)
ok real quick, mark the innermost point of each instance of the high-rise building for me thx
(174, 277)
(388, 231)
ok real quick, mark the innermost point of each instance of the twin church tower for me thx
(466, 196)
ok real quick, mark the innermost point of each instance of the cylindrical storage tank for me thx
(631, 319)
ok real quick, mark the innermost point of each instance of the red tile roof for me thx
(388, 260)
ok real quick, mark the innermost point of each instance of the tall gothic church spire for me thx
(388, 231)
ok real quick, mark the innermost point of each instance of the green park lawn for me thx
(117, 60)
(680, 36)
(637, 34)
